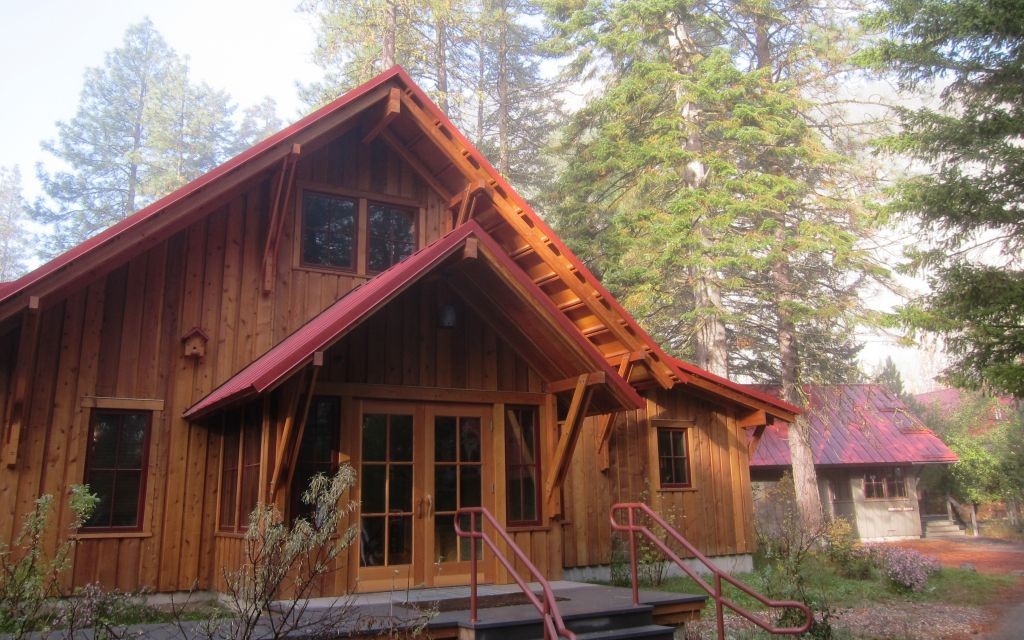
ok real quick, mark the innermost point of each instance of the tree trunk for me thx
(711, 348)
(390, 36)
(441, 60)
(504, 153)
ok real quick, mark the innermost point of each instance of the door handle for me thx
(430, 505)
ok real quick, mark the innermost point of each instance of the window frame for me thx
(679, 426)
(143, 470)
(294, 505)
(537, 467)
(241, 519)
(361, 241)
(413, 213)
(886, 475)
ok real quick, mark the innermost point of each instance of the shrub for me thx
(906, 569)
(848, 556)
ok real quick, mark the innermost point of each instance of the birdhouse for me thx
(194, 343)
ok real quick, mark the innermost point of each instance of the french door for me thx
(417, 466)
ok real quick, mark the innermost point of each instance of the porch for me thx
(505, 613)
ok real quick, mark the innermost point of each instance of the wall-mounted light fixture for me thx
(447, 316)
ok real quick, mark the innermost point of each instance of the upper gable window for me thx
(391, 235)
(351, 232)
(328, 230)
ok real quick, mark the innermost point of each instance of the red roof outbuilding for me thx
(855, 424)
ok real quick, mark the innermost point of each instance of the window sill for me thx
(229, 534)
(675, 489)
(102, 535)
(525, 528)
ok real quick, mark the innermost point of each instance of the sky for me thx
(249, 48)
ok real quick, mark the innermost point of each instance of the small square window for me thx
(115, 468)
(391, 236)
(328, 230)
(673, 459)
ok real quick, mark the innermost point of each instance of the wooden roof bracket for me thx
(758, 421)
(571, 429)
(291, 439)
(17, 408)
(604, 428)
(392, 107)
(284, 180)
(466, 201)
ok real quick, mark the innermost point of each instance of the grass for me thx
(826, 586)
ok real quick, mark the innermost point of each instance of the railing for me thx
(553, 624)
(633, 528)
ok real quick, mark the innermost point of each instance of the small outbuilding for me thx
(869, 449)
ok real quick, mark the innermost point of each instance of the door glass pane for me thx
(374, 488)
(375, 433)
(446, 542)
(445, 489)
(444, 439)
(399, 540)
(371, 542)
(401, 438)
(400, 488)
(469, 440)
(469, 485)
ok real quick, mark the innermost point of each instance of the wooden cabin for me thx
(361, 287)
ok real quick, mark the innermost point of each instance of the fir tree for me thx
(141, 130)
(970, 194)
(13, 239)
(889, 377)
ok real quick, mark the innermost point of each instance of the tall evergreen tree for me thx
(13, 238)
(141, 129)
(889, 377)
(970, 195)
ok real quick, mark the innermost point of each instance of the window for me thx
(885, 483)
(328, 230)
(115, 468)
(522, 466)
(318, 451)
(391, 236)
(332, 233)
(240, 467)
(673, 460)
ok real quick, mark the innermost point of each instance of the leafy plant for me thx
(906, 569)
(29, 576)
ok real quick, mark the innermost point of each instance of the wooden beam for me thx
(25, 366)
(285, 180)
(756, 418)
(318, 361)
(416, 164)
(755, 439)
(429, 394)
(471, 249)
(604, 429)
(589, 379)
(567, 442)
(285, 440)
(392, 107)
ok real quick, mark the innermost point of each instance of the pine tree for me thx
(258, 122)
(141, 130)
(970, 194)
(13, 238)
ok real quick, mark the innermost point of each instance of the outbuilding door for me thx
(418, 465)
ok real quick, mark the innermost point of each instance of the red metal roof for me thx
(856, 424)
(745, 389)
(285, 358)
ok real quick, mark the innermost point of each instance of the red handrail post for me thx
(633, 569)
(472, 566)
(719, 612)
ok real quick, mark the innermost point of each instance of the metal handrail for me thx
(715, 592)
(553, 624)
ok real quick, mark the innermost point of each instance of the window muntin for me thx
(115, 468)
(522, 466)
(390, 237)
(673, 458)
(240, 467)
(886, 483)
(328, 230)
(318, 451)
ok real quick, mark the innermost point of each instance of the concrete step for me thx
(650, 631)
(613, 624)
(941, 528)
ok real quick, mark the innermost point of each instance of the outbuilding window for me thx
(885, 483)
(673, 458)
(115, 468)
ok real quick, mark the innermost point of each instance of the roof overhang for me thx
(471, 258)
(739, 394)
